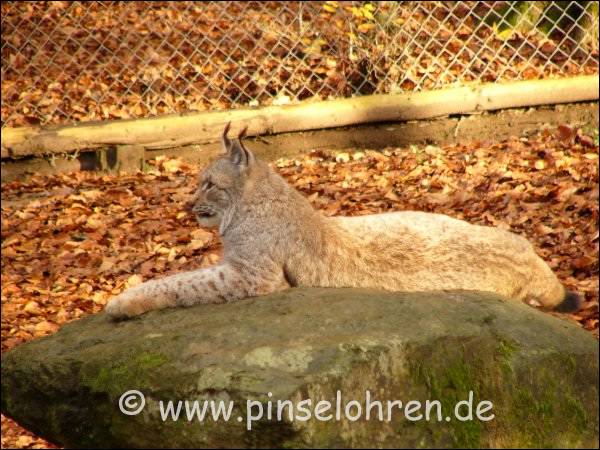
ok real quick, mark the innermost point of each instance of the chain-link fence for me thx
(80, 61)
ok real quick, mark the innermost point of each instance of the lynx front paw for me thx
(126, 305)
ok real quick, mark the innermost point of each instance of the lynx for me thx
(273, 239)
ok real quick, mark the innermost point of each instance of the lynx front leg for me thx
(218, 284)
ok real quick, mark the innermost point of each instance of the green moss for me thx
(123, 375)
(550, 408)
(531, 405)
(506, 350)
(450, 385)
(576, 411)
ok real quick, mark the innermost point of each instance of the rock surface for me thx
(540, 373)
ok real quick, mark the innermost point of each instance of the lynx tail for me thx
(571, 302)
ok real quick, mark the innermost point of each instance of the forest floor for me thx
(71, 241)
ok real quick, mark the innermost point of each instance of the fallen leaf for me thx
(33, 308)
(134, 280)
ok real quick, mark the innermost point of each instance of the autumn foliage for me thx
(84, 61)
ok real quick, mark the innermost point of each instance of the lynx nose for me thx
(189, 205)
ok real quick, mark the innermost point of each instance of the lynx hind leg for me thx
(568, 302)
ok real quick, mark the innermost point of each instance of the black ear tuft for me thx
(242, 133)
(238, 153)
(225, 140)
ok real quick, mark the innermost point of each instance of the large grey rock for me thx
(540, 373)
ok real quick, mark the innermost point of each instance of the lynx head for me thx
(222, 183)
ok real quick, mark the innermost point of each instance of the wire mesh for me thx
(79, 61)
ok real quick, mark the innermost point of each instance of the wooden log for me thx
(499, 125)
(201, 128)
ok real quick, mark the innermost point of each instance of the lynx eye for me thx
(207, 186)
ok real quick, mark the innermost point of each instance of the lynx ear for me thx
(238, 153)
